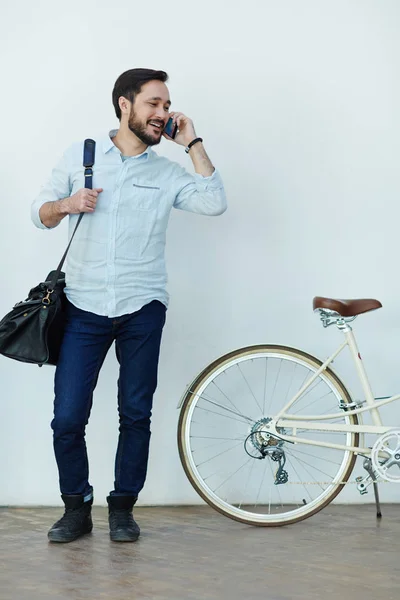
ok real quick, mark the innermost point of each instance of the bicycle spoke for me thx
(213, 445)
(307, 392)
(262, 481)
(313, 402)
(265, 384)
(304, 462)
(207, 410)
(229, 400)
(299, 478)
(230, 476)
(313, 456)
(247, 482)
(277, 487)
(207, 437)
(290, 385)
(250, 390)
(276, 381)
(219, 454)
(238, 414)
(316, 483)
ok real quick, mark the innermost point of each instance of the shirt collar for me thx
(108, 144)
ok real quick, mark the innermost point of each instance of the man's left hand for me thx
(186, 132)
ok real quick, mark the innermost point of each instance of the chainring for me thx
(385, 456)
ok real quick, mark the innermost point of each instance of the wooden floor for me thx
(195, 553)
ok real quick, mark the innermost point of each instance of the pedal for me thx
(362, 485)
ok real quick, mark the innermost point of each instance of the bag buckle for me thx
(46, 299)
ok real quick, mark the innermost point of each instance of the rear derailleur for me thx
(270, 447)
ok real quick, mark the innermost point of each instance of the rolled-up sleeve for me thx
(56, 187)
(201, 195)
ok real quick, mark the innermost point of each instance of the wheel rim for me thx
(213, 448)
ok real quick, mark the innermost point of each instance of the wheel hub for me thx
(261, 438)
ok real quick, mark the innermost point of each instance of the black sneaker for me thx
(76, 521)
(123, 527)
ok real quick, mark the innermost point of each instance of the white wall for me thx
(298, 104)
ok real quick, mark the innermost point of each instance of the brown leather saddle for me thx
(346, 308)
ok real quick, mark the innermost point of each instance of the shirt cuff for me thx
(36, 219)
(213, 181)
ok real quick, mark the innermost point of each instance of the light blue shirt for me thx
(116, 262)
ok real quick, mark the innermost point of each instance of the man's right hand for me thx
(83, 201)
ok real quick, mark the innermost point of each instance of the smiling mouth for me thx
(157, 125)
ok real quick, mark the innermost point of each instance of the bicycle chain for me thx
(331, 482)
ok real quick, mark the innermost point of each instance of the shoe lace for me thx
(121, 519)
(72, 517)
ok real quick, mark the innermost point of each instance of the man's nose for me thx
(161, 114)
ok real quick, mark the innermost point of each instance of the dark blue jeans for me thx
(87, 340)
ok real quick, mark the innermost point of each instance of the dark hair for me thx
(130, 83)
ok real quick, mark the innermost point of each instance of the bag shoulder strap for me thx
(89, 152)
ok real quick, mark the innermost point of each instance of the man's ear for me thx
(125, 105)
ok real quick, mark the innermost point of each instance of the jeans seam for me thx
(95, 379)
(97, 371)
(122, 437)
(89, 408)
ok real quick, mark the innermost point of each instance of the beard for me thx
(140, 130)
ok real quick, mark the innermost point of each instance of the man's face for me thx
(150, 112)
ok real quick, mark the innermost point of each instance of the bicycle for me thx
(250, 446)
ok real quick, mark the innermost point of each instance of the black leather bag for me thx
(32, 331)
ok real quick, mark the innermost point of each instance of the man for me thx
(116, 286)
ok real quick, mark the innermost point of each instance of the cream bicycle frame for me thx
(286, 421)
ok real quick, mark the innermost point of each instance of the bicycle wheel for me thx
(232, 461)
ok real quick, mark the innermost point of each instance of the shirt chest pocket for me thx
(138, 220)
(146, 195)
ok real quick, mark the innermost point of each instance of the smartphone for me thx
(171, 128)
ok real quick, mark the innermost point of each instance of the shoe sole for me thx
(61, 540)
(123, 538)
